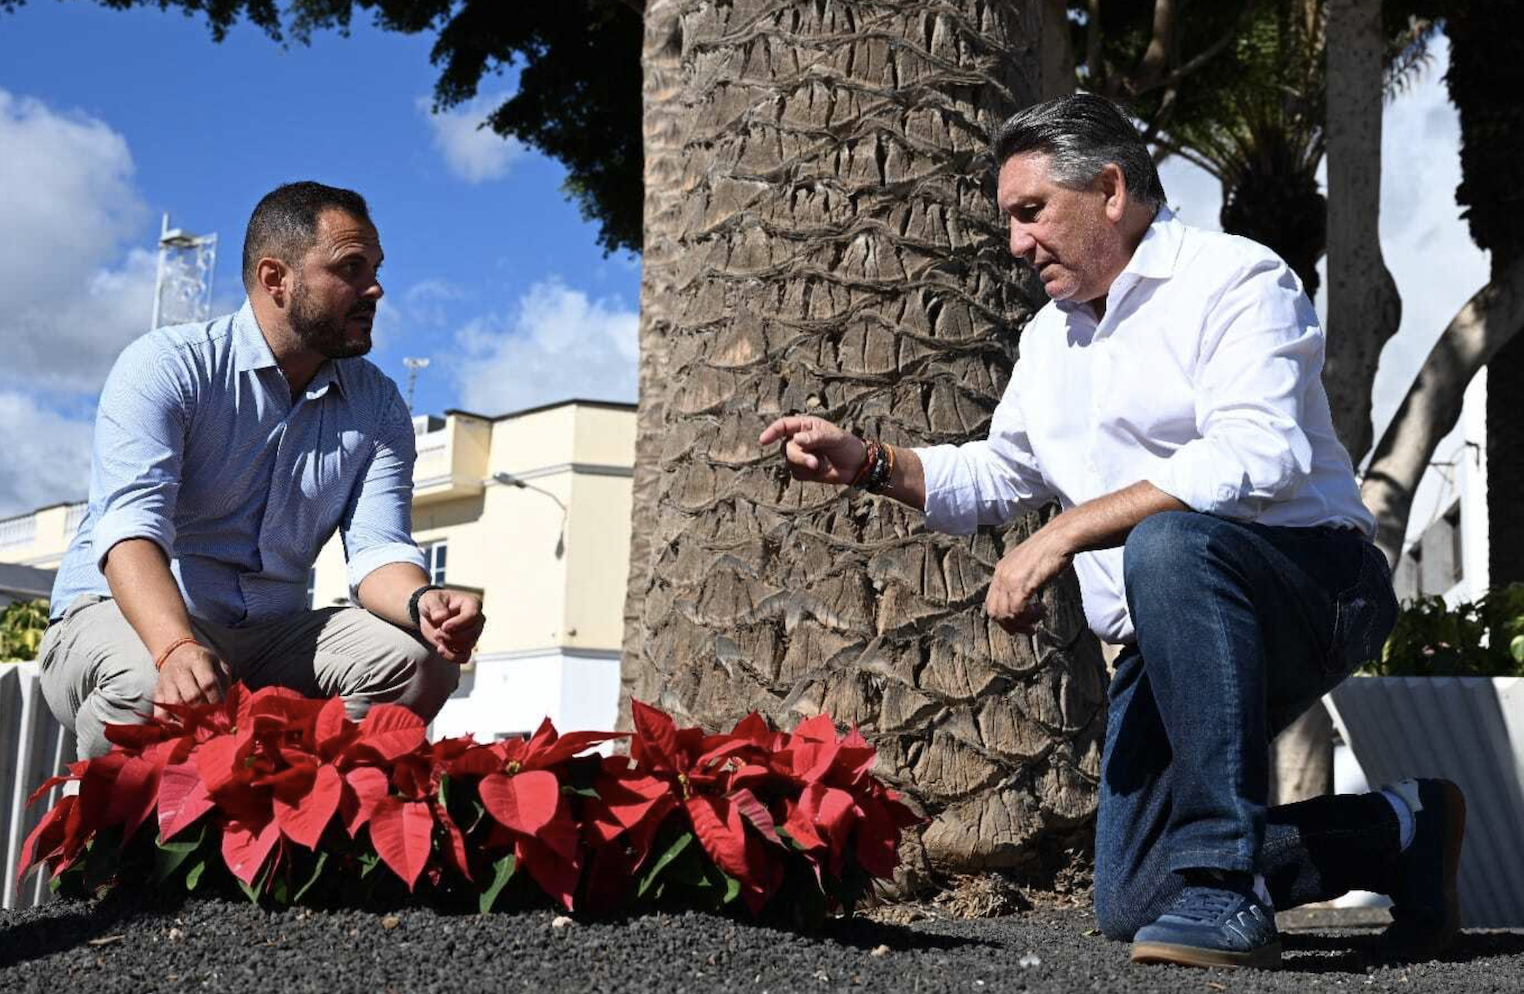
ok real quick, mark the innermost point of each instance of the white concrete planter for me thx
(1466, 729)
(33, 746)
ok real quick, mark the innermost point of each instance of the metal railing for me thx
(33, 747)
(18, 531)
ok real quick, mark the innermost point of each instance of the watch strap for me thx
(412, 602)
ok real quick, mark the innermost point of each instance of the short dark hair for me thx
(284, 223)
(1081, 134)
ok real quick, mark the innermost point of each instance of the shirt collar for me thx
(251, 351)
(1156, 254)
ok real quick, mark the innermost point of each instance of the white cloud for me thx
(426, 301)
(69, 301)
(47, 455)
(558, 344)
(472, 152)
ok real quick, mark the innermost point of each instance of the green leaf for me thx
(732, 888)
(253, 891)
(368, 861)
(317, 871)
(570, 791)
(1516, 649)
(444, 791)
(170, 856)
(478, 811)
(280, 890)
(194, 876)
(502, 872)
(673, 851)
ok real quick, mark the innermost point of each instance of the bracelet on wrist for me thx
(412, 602)
(169, 650)
(883, 472)
(870, 459)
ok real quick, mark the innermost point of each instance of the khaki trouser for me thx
(97, 672)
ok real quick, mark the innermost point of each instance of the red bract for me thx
(267, 774)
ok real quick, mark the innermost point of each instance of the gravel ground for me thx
(214, 945)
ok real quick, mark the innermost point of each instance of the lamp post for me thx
(509, 480)
(182, 289)
(413, 366)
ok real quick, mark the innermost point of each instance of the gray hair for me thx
(1081, 134)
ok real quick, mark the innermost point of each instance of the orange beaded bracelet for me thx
(158, 664)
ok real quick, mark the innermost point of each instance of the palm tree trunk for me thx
(1364, 308)
(839, 252)
(661, 121)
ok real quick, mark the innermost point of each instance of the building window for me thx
(1457, 546)
(434, 560)
(311, 588)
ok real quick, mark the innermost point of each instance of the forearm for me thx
(147, 594)
(907, 482)
(1105, 522)
(386, 590)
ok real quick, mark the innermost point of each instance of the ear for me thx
(1114, 186)
(273, 279)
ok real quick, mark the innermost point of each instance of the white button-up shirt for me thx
(1203, 378)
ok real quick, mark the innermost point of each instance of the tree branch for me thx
(1160, 46)
(1206, 55)
(1093, 47)
(1487, 322)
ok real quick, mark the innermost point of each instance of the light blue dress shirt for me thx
(199, 447)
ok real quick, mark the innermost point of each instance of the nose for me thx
(1022, 243)
(375, 291)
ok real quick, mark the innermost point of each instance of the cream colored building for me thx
(531, 510)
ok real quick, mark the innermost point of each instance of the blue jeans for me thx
(1240, 628)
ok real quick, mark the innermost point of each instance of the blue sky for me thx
(108, 119)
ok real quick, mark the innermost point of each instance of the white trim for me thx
(550, 650)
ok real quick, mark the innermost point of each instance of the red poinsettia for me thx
(273, 775)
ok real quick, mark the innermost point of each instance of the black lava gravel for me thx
(71, 948)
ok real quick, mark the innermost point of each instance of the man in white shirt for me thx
(1169, 399)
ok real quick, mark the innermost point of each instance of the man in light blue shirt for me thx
(226, 454)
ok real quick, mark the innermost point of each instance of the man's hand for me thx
(451, 621)
(816, 450)
(1019, 578)
(192, 674)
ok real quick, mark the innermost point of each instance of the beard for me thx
(324, 334)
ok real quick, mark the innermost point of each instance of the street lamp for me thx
(413, 366)
(182, 289)
(509, 480)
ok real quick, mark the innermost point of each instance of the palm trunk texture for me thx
(839, 252)
(661, 120)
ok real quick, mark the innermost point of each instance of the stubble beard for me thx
(322, 333)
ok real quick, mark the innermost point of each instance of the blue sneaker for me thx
(1217, 921)
(1425, 900)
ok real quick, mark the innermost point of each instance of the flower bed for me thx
(297, 803)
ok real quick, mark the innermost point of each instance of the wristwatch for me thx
(412, 602)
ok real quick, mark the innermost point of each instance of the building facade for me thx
(1449, 542)
(530, 510)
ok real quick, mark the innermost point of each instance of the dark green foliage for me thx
(1432, 639)
(579, 95)
(1485, 79)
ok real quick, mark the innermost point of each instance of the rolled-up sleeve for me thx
(984, 482)
(139, 449)
(378, 523)
(1261, 357)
